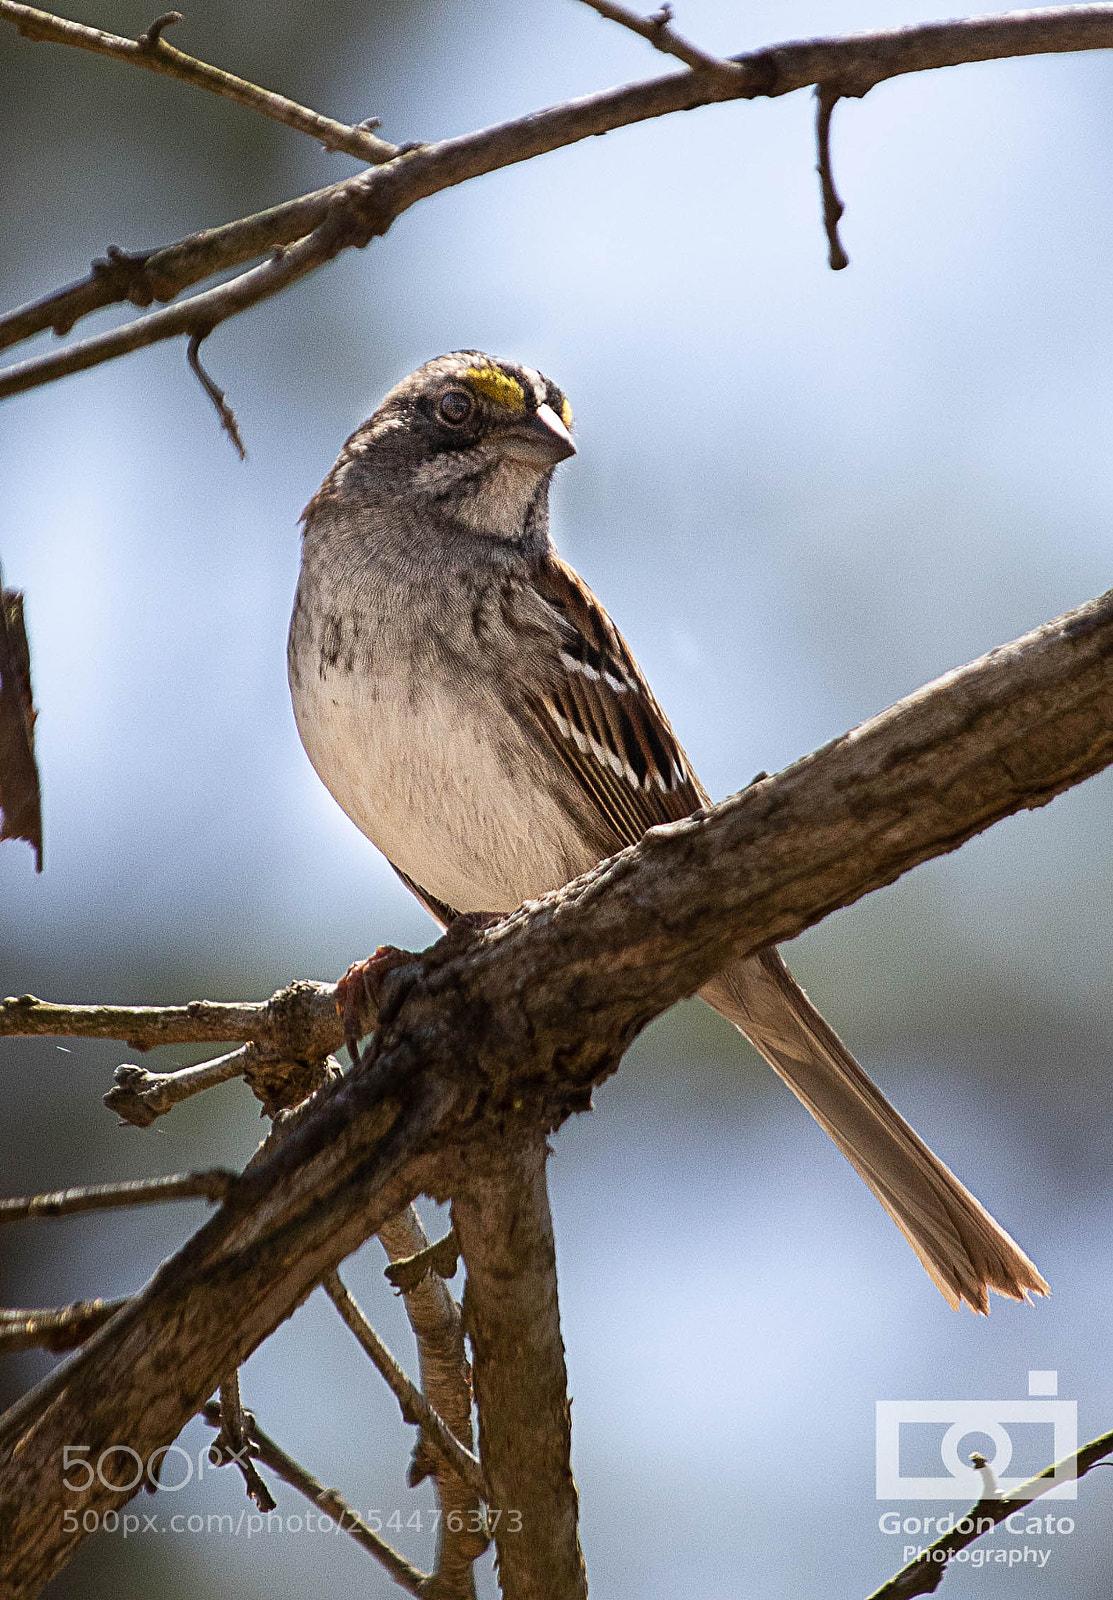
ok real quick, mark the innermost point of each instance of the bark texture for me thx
(502, 1220)
(502, 1034)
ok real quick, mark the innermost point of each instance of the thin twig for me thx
(264, 1449)
(415, 1408)
(212, 1184)
(232, 1444)
(205, 310)
(140, 1097)
(59, 1328)
(152, 38)
(299, 1020)
(380, 196)
(658, 30)
(151, 51)
(833, 208)
(926, 1572)
(215, 393)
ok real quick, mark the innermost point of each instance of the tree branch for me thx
(502, 1220)
(264, 1449)
(365, 206)
(833, 208)
(300, 1020)
(151, 51)
(491, 1039)
(926, 1572)
(438, 1329)
(442, 1257)
(232, 1445)
(140, 1097)
(658, 30)
(61, 1328)
(413, 1405)
(201, 313)
(215, 392)
(435, 1319)
(287, 1054)
(211, 1185)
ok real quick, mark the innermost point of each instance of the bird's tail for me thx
(965, 1252)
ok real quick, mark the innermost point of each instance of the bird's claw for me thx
(359, 993)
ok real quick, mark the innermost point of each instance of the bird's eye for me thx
(456, 406)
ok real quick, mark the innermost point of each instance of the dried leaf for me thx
(20, 804)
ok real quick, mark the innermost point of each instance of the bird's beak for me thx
(540, 439)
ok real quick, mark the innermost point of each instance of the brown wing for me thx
(436, 908)
(596, 711)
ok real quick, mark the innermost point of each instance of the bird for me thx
(474, 710)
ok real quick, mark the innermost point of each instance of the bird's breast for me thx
(434, 771)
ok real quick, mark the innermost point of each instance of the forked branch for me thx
(263, 1448)
(316, 227)
(562, 988)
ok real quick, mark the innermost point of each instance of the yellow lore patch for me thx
(566, 413)
(497, 387)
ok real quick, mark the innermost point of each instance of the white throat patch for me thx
(498, 493)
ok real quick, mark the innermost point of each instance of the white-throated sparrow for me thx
(475, 711)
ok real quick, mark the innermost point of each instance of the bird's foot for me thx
(359, 993)
(465, 923)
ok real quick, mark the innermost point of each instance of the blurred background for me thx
(802, 494)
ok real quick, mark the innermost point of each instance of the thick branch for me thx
(256, 1266)
(502, 1220)
(151, 51)
(490, 1038)
(372, 201)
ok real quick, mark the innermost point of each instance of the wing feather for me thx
(597, 713)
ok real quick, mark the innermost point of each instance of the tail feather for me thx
(964, 1251)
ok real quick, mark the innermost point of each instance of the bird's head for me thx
(468, 438)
